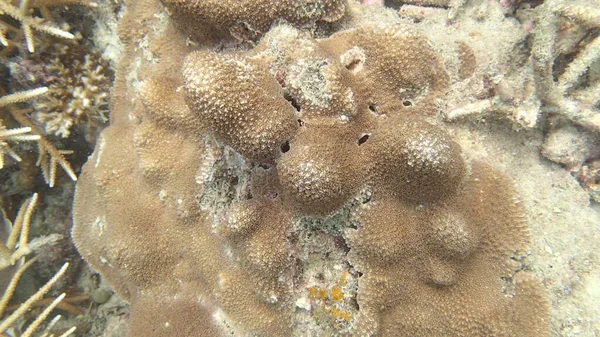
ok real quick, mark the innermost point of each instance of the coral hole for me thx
(353, 59)
(373, 109)
(363, 139)
(292, 101)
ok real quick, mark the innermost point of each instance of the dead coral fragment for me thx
(572, 95)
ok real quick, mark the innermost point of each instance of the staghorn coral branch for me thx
(17, 134)
(22, 96)
(50, 325)
(10, 290)
(8, 255)
(588, 15)
(542, 58)
(579, 65)
(65, 305)
(41, 317)
(67, 333)
(34, 298)
(48, 155)
(28, 23)
(21, 229)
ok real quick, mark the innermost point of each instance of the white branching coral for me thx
(28, 24)
(16, 134)
(49, 157)
(78, 93)
(13, 251)
(17, 245)
(22, 96)
(572, 95)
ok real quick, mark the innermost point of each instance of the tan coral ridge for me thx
(250, 18)
(198, 238)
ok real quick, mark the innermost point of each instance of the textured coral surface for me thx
(232, 184)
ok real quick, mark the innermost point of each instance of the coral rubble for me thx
(224, 173)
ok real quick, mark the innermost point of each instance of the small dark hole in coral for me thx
(292, 101)
(285, 147)
(264, 166)
(407, 103)
(249, 196)
(352, 65)
(300, 122)
(359, 274)
(295, 105)
(363, 139)
(373, 109)
(341, 243)
(354, 303)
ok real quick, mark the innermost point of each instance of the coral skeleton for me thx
(559, 96)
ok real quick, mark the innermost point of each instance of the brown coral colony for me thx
(430, 233)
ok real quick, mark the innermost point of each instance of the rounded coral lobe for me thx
(452, 236)
(234, 98)
(319, 174)
(419, 162)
